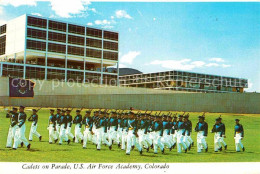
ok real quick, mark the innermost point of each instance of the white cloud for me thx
(2, 22)
(212, 65)
(107, 27)
(122, 14)
(225, 65)
(129, 57)
(17, 3)
(36, 14)
(216, 59)
(102, 22)
(66, 8)
(93, 10)
(154, 19)
(112, 17)
(184, 64)
(90, 24)
(1, 10)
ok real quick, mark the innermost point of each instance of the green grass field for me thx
(45, 152)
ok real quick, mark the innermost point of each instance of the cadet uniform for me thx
(20, 131)
(188, 132)
(77, 120)
(142, 131)
(131, 134)
(119, 130)
(174, 131)
(69, 124)
(57, 131)
(51, 127)
(12, 128)
(112, 128)
(202, 129)
(123, 124)
(101, 129)
(88, 122)
(180, 126)
(63, 127)
(166, 133)
(218, 129)
(239, 134)
(94, 137)
(157, 128)
(223, 134)
(33, 131)
(188, 128)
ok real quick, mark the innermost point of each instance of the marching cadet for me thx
(69, 125)
(88, 122)
(132, 134)
(202, 129)
(166, 132)
(12, 128)
(101, 129)
(20, 131)
(180, 127)
(187, 131)
(218, 129)
(33, 131)
(95, 117)
(51, 127)
(239, 135)
(143, 125)
(174, 131)
(119, 130)
(223, 134)
(148, 135)
(157, 128)
(77, 120)
(112, 128)
(57, 131)
(63, 127)
(124, 124)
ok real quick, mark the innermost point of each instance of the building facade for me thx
(185, 81)
(33, 47)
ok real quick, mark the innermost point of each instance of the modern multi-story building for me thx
(185, 81)
(33, 47)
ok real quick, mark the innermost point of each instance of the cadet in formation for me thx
(34, 119)
(239, 135)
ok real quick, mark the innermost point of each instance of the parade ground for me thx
(45, 152)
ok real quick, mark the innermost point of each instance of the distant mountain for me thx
(125, 71)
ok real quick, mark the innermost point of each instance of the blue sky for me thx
(214, 38)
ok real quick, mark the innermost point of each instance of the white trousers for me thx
(180, 140)
(68, 132)
(124, 139)
(157, 141)
(20, 136)
(94, 137)
(166, 139)
(11, 134)
(101, 138)
(78, 134)
(87, 137)
(217, 143)
(52, 135)
(174, 137)
(63, 135)
(238, 142)
(201, 141)
(112, 135)
(119, 135)
(33, 131)
(57, 132)
(131, 141)
(142, 138)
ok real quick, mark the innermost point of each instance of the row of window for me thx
(59, 37)
(3, 29)
(39, 73)
(52, 47)
(2, 45)
(76, 29)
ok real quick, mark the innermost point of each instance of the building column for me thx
(25, 47)
(118, 82)
(101, 79)
(85, 55)
(66, 56)
(46, 50)
(1, 69)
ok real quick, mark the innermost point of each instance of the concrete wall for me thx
(123, 98)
